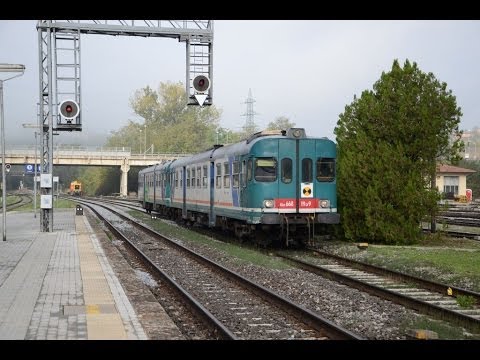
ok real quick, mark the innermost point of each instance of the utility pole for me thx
(6, 68)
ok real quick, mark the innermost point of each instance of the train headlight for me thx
(268, 203)
(324, 203)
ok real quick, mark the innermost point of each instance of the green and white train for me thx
(276, 187)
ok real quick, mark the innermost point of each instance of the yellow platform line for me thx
(96, 290)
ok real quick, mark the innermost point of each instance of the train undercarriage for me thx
(281, 230)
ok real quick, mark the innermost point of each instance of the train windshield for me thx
(265, 169)
(325, 169)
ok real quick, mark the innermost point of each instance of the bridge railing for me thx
(90, 152)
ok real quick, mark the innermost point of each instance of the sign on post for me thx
(29, 168)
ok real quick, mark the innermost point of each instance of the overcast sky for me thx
(306, 70)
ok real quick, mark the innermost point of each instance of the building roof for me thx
(449, 169)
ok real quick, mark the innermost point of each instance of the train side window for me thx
(188, 178)
(204, 178)
(286, 170)
(249, 170)
(199, 176)
(181, 178)
(226, 175)
(236, 174)
(218, 179)
(193, 178)
(265, 169)
(243, 181)
(176, 178)
(325, 169)
(307, 173)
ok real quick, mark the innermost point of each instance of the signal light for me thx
(69, 109)
(201, 83)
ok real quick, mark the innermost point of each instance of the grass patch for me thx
(463, 263)
(444, 330)
(242, 253)
(455, 262)
(10, 199)
(466, 301)
(57, 204)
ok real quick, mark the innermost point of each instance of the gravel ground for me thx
(367, 315)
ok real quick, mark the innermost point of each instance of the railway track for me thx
(425, 297)
(428, 297)
(24, 199)
(237, 307)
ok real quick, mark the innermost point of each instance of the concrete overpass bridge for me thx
(90, 156)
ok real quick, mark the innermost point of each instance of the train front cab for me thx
(292, 180)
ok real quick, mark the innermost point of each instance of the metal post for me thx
(4, 183)
(35, 181)
(8, 68)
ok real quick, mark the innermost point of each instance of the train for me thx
(75, 188)
(275, 188)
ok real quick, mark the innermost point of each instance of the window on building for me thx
(450, 184)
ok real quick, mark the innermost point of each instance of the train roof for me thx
(239, 148)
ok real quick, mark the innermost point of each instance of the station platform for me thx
(60, 285)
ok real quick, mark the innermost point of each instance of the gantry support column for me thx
(125, 167)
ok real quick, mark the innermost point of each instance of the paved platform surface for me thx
(60, 285)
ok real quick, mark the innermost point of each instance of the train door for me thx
(184, 181)
(243, 182)
(168, 184)
(145, 192)
(211, 218)
(288, 174)
(306, 162)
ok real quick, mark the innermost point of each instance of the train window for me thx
(242, 177)
(226, 175)
(265, 169)
(325, 169)
(249, 170)
(188, 178)
(236, 174)
(193, 178)
(218, 179)
(307, 173)
(286, 170)
(199, 175)
(204, 178)
(181, 178)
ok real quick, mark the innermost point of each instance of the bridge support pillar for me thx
(124, 179)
